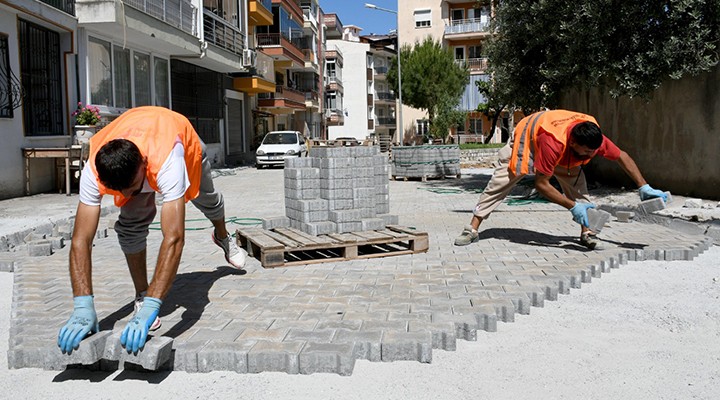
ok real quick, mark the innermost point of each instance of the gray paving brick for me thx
(157, 351)
(275, 356)
(366, 343)
(414, 346)
(224, 356)
(335, 358)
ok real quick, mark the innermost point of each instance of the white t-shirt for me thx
(172, 179)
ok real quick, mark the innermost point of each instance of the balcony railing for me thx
(308, 16)
(310, 56)
(387, 96)
(268, 39)
(472, 25)
(220, 33)
(474, 64)
(68, 6)
(284, 93)
(381, 70)
(178, 13)
(386, 121)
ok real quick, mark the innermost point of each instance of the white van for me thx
(279, 145)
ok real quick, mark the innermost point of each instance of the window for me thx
(422, 127)
(460, 53)
(141, 68)
(423, 18)
(475, 52)
(41, 78)
(476, 126)
(124, 78)
(457, 14)
(6, 95)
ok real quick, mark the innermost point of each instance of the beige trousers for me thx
(572, 181)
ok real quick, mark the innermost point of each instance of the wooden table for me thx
(68, 153)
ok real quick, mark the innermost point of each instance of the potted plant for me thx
(86, 119)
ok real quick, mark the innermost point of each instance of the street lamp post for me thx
(397, 48)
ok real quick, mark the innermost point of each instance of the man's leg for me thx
(495, 192)
(132, 230)
(211, 203)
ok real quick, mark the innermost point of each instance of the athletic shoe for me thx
(138, 304)
(233, 254)
(466, 237)
(588, 240)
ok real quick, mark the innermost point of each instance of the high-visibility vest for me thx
(558, 123)
(155, 131)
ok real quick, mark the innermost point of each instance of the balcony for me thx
(312, 99)
(222, 34)
(334, 26)
(284, 51)
(261, 79)
(283, 101)
(381, 70)
(180, 14)
(334, 83)
(260, 12)
(310, 58)
(385, 97)
(335, 54)
(386, 121)
(461, 28)
(292, 6)
(334, 117)
(309, 19)
(67, 6)
(475, 65)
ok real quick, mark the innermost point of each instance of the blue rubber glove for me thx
(579, 213)
(82, 322)
(135, 334)
(646, 192)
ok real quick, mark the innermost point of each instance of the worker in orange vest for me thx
(554, 143)
(144, 151)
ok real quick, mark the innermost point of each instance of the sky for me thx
(353, 12)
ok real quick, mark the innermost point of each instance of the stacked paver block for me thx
(426, 161)
(597, 219)
(338, 190)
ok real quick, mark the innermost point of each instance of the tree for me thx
(430, 77)
(542, 48)
(494, 104)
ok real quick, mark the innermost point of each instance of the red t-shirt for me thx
(548, 154)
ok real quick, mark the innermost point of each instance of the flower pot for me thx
(83, 133)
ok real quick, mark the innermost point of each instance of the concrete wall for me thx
(674, 138)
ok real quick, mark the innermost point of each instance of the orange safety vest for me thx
(155, 131)
(557, 123)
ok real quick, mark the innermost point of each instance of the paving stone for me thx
(275, 356)
(157, 351)
(224, 356)
(413, 346)
(597, 219)
(335, 358)
(90, 350)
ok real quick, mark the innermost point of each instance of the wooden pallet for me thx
(424, 178)
(283, 247)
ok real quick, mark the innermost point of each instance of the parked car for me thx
(346, 141)
(279, 145)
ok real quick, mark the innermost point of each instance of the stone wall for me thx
(674, 137)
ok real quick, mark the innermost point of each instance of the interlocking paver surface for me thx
(323, 317)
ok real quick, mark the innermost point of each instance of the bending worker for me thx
(143, 151)
(554, 143)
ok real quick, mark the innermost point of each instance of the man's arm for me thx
(172, 222)
(631, 169)
(542, 184)
(86, 223)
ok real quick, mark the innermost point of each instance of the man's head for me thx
(121, 166)
(585, 138)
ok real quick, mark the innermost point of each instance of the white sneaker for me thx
(138, 304)
(233, 254)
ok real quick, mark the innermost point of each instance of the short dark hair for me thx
(587, 134)
(117, 163)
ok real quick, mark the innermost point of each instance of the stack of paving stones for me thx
(434, 161)
(337, 190)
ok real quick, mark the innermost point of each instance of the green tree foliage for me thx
(543, 47)
(430, 79)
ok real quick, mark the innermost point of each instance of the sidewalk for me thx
(324, 317)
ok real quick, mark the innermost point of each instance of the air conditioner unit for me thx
(249, 58)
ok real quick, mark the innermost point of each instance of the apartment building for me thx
(382, 101)
(461, 26)
(334, 84)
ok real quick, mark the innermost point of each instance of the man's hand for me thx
(646, 192)
(579, 213)
(135, 334)
(82, 321)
